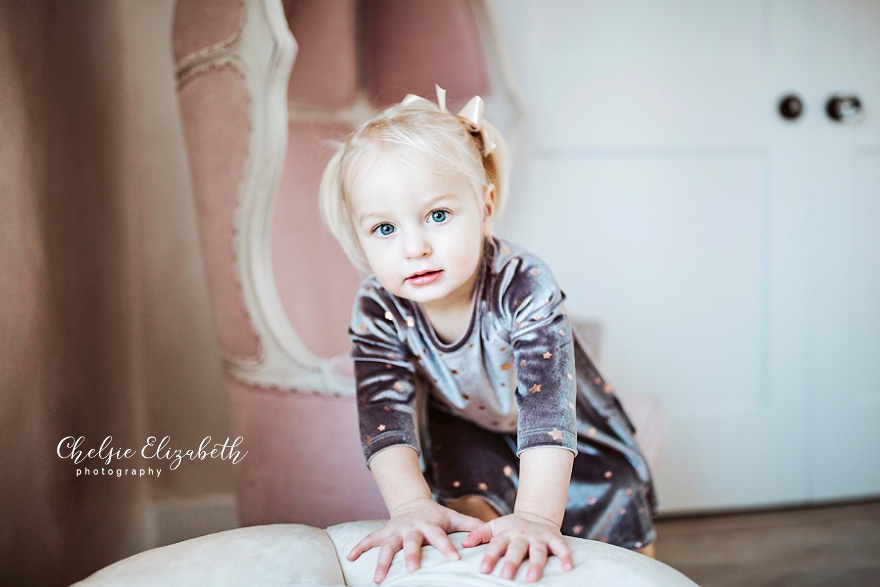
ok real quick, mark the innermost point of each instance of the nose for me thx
(416, 245)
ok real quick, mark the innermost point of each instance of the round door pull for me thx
(791, 107)
(843, 109)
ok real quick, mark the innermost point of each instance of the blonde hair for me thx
(419, 129)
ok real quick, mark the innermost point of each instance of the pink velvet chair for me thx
(259, 106)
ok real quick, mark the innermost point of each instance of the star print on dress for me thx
(535, 271)
(482, 486)
(555, 434)
(506, 367)
(381, 427)
(535, 388)
(578, 529)
(388, 316)
(398, 386)
(548, 355)
(507, 470)
(568, 375)
(362, 327)
(410, 322)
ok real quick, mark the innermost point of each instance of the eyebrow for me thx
(431, 203)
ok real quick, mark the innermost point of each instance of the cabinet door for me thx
(844, 360)
(678, 207)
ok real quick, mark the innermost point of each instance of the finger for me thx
(463, 523)
(437, 538)
(559, 547)
(369, 541)
(496, 549)
(383, 561)
(537, 562)
(479, 535)
(516, 553)
(412, 550)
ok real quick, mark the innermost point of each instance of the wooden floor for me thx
(834, 546)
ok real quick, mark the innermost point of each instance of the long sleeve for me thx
(383, 371)
(543, 351)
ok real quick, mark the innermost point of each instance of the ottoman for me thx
(298, 555)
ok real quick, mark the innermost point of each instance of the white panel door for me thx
(844, 364)
(679, 208)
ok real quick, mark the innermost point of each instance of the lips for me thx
(424, 277)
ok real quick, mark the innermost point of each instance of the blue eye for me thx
(384, 229)
(439, 215)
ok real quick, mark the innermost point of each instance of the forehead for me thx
(388, 171)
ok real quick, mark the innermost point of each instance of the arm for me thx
(415, 517)
(531, 304)
(533, 528)
(543, 484)
(385, 393)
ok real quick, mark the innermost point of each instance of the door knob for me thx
(791, 107)
(843, 109)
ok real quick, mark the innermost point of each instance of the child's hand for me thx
(412, 525)
(518, 535)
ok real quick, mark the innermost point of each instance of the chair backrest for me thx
(259, 135)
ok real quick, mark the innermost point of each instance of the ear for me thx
(488, 209)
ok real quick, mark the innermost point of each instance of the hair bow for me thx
(471, 115)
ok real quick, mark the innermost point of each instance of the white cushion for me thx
(293, 554)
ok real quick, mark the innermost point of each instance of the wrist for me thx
(405, 506)
(537, 517)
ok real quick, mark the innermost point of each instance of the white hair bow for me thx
(471, 115)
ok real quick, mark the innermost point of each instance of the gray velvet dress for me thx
(518, 378)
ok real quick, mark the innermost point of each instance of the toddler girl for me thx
(520, 436)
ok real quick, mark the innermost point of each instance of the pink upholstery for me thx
(216, 111)
(410, 46)
(201, 25)
(304, 461)
(325, 32)
(316, 282)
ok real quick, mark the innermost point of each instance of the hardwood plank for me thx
(836, 545)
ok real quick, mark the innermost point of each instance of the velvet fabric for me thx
(410, 46)
(316, 290)
(201, 26)
(325, 33)
(215, 107)
(303, 463)
(517, 379)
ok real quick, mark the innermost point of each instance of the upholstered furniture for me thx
(296, 555)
